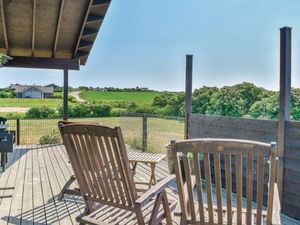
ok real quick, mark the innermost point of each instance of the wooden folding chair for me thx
(66, 190)
(99, 159)
(195, 210)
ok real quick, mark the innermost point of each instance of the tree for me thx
(202, 97)
(227, 102)
(266, 108)
(295, 111)
(250, 93)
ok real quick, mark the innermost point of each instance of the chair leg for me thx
(140, 218)
(167, 209)
(66, 187)
(3, 161)
(155, 209)
(182, 221)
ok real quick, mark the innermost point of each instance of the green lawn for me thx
(29, 102)
(160, 131)
(137, 97)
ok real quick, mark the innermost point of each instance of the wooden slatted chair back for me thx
(209, 207)
(99, 159)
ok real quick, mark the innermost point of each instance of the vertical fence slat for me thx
(18, 133)
(239, 187)
(228, 187)
(260, 188)
(208, 187)
(249, 187)
(197, 169)
(145, 132)
(218, 186)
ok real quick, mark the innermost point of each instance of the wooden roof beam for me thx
(81, 54)
(58, 27)
(33, 27)
(4, 25)
(44, 63)
(88, 32)
(94, 18)
(84, 44)
(82, 28)
(100, 2)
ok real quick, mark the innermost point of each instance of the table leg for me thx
(133, 170)
(152, 177)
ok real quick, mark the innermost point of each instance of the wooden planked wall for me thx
(291, 173)
(204, 126)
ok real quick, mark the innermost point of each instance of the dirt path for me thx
(75, 94)
(13, 109)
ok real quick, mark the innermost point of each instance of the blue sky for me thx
(144, 43)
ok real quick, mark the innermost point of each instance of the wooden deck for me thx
(37, 174)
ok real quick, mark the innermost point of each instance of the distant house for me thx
(142, 88)
(32, 91)
(55, 86)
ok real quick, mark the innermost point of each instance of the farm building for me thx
(33, 91)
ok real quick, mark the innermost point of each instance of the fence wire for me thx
(159, 130)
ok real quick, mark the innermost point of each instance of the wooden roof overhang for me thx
(50, 34)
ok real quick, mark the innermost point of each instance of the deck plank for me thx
(9, 178)
(60, 173)
(51, 214)
(27, 198)
(67, 172)
(16, 205)
(63, 215)
(39, 215)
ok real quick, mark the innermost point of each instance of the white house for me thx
(33, 91)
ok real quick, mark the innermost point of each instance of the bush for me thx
(88, 110)
(267, 108)
(13, 115)
(7, 93)
(52, 138)
(43, 112)
(145, 109)
(118, 112)
(169, 104)
(72, 99)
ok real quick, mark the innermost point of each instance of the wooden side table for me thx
(150, 159)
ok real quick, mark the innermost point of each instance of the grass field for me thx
(137, 97)
(29, 102)
(160, 131)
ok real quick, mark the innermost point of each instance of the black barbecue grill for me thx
(6, 142)
(6, 146)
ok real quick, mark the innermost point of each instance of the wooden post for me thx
(188, 93)
(285, 99)
(18, 131)
(145, 132)
(66, 87)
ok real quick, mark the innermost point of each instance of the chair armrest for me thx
(276, 219)
(154, 190)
